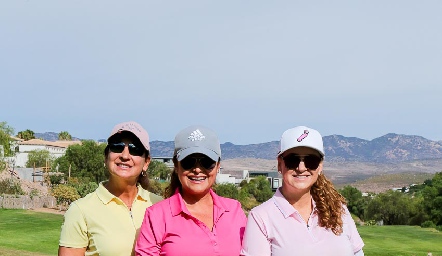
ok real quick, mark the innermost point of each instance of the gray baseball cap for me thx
(197, 139)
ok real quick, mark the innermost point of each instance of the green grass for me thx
(31, 233)
(400, 240)
(25, 232)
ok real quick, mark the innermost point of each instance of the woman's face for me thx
(126, 158)
(197, 174)
(299, 176)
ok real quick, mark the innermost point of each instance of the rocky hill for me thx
(390, 148)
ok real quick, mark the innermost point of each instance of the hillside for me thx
(370, 165)
(390, 148)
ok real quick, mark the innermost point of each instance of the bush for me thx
(85, 188)
(370, 223)
(56, 179)
(11, 186)
(155, 187)
(65, 194)
(428, 224)
(34, 192)
(227, 190)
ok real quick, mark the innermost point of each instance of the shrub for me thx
(65, 194)
(56, 179)
(34, 192)
(85, 188)
(227, 190)
(428, 224)
(370, 223)
(155, 187)
(11, 186)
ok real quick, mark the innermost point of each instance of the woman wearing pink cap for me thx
(107, 221)
(193, 220)
(306, 215)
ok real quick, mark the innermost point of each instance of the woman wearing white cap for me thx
(106, 221)
(306, 215)
(193, 220)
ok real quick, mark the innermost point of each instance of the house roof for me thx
(59, 143)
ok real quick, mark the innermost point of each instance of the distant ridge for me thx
(50, 136)
(389, 148)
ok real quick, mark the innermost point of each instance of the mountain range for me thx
(389, 148)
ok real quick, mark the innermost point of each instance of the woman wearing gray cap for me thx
(193, 220)
(306, 215)
(106, 221)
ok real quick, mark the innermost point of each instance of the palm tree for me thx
(64, 135)
(26, 135)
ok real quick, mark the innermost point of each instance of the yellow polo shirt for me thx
(101, 222)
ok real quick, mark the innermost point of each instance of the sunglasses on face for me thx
(292, 161)
(133, 149)
(190, 162)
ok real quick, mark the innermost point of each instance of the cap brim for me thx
(319, 151)
(181, 154)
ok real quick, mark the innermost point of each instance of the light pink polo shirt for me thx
(276, 228)
(169, 229)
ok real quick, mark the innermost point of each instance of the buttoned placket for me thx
(212, 234)
(309, 225)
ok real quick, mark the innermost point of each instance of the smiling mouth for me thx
(124, 166)
(301, 176)
(197, 178)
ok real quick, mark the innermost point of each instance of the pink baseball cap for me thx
(134, 128)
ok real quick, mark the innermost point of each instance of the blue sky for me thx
(247, 69)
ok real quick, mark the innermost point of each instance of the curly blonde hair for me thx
(329, 204)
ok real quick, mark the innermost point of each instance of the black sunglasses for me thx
(206, 162)
(292, 161)
(134, 150)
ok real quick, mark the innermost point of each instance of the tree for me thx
(392, 207)
(259, 188)
(432, 202)
(159, 170)
(5, 139)
(26, 135)
(64, 135)
(355, 202)
(83, 185)
(39, 158)
(227, 190)
(263, 191)
(85, 160)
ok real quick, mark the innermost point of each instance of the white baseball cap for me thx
(301, 136)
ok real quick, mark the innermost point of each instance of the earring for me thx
(143, 173)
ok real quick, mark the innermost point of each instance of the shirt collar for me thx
(106, 197)
(284, 206)
(177, 203)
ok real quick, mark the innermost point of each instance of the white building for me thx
(55, 148)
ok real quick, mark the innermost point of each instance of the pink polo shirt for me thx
(169, 229)
(276, 228)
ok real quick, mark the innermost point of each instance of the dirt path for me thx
(48, 210)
